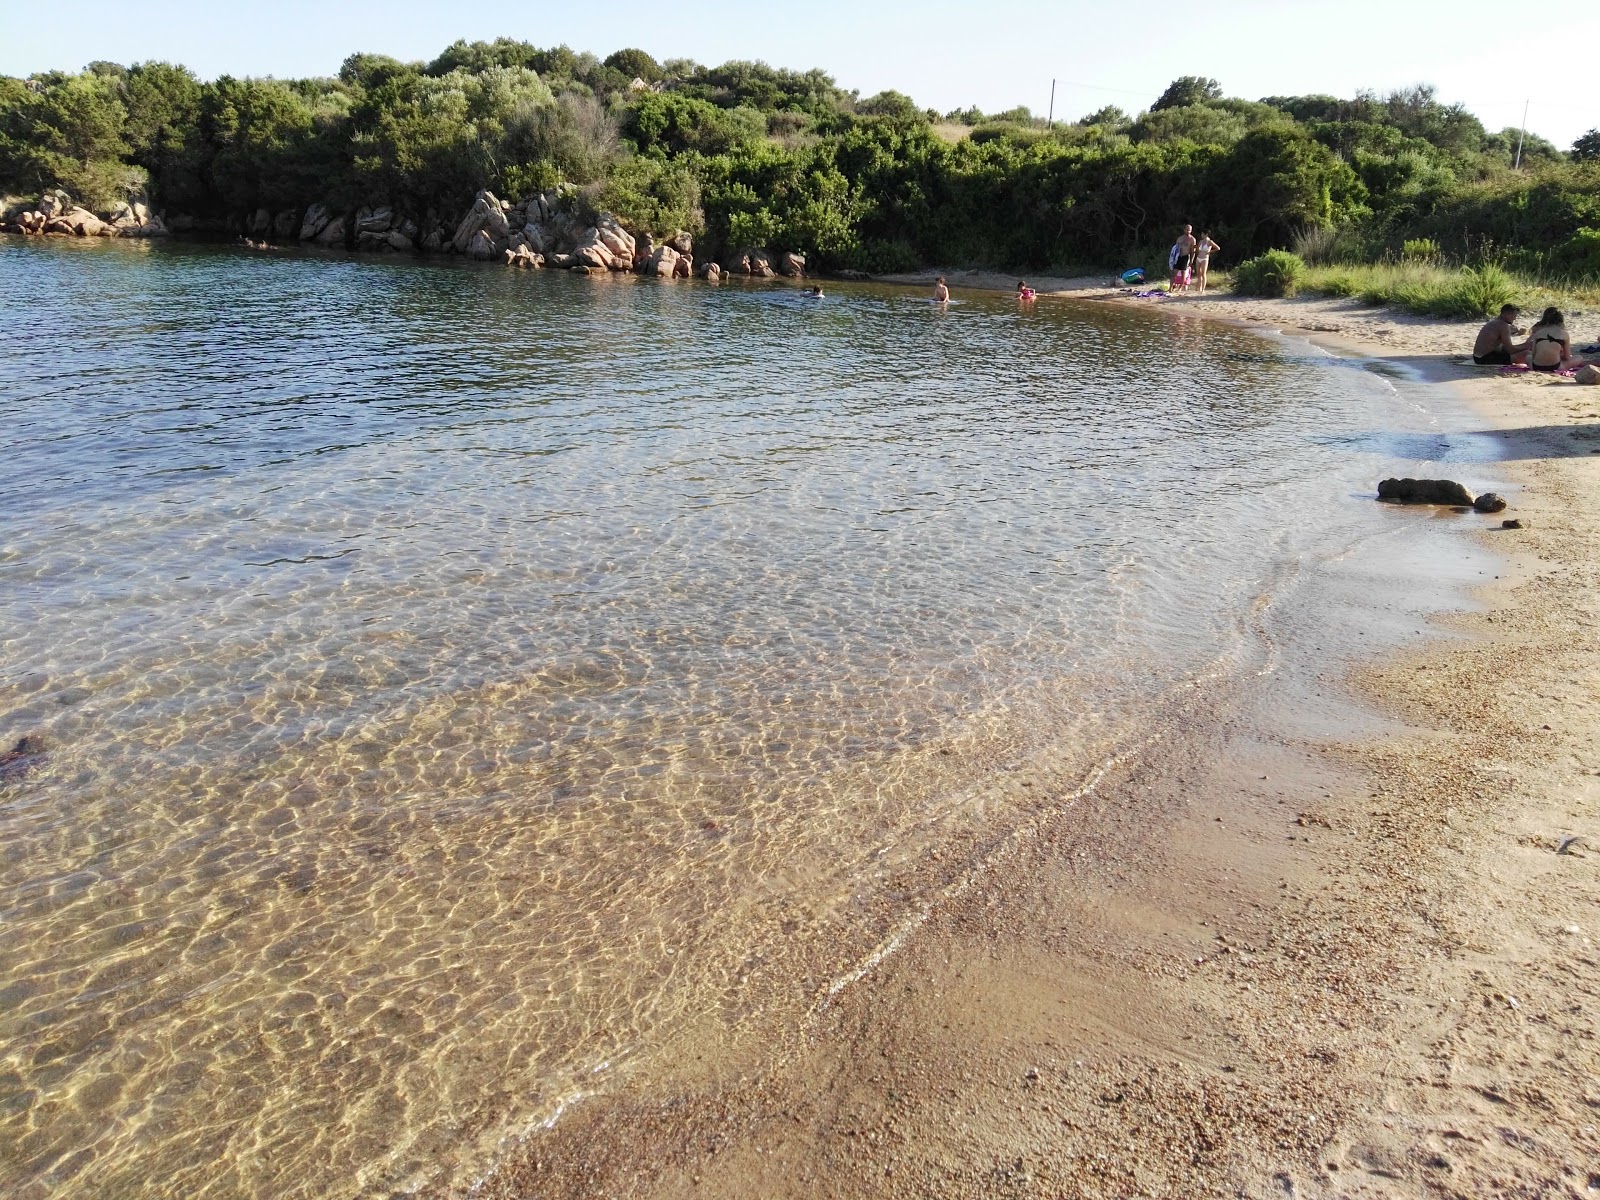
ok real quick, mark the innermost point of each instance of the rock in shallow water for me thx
(1489, 502)
(1424, 491)
(27, 755)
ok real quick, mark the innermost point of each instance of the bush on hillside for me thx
(1275, 273)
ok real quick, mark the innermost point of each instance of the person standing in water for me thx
(1202, 259)
(941, 292)
(1024, 292)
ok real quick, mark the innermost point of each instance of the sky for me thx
(944, 55)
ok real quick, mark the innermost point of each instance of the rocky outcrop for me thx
(682, 241)
(711, 273)
(524, 256)
(1490, 502)
(754, 262)
(317, 219)
(481, 246)
(486, 217)
(793, 265)
(333, 233)
(374, 220)
(663, 262)
(1425, 491)
(591, 251)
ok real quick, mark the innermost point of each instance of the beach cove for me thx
(1035, 904)
(1347, 947)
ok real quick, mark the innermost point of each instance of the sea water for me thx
(467, 689)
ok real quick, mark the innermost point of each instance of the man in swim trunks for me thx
(1494, 346)
(1180, 267)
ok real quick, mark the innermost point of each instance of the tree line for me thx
(745, 154)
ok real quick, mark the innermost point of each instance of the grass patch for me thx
(1435, 290)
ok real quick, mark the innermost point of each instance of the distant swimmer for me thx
(1024, 292)
(941, 291)
(816, 292)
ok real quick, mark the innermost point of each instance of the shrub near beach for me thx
(745, 154)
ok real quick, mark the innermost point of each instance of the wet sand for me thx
(1321, 940)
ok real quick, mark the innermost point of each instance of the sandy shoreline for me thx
(1270, 959)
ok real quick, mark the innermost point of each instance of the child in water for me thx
(816, 292)
(1024, 292)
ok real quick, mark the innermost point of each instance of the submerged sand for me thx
(1334, 939)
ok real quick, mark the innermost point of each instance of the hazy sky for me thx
(1491, 57)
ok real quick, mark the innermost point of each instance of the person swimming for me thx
(1024, 292)
(941, 291)
(816, 292)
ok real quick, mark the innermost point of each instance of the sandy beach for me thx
(1335, 938)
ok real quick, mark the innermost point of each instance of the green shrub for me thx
(1579, 254)
(1481, 292)
(1275, 273)
(1420, 250)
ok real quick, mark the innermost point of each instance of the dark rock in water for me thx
(1424, 491)
(27, 755)
(852, 274)
(1513, 523)
(1489, 502)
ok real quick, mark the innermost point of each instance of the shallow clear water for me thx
(464, 686)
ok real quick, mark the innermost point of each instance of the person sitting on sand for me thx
(1024, 292)
(1549, 346)
(941, 291)
(1494, 346)
(1202, 259)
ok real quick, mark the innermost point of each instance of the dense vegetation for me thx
(745, 154)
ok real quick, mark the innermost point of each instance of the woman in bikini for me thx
(1202, 259)
(1549, 346)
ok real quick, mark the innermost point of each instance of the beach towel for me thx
(1152, 294)
(1524, 369)
(1172, 257)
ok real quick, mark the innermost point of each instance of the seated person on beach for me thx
(1549, 346)
(1024, 292)
(941, 292)
(1494, 346)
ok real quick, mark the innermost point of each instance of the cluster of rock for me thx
(55, 214)
(1438, 491)
(545, 230)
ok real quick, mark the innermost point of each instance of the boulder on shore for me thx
(615, 238)
(711, 273)
(1425, 491)
(486, 216)
(317, 219)
(663, 262)
(682, 242)
(332, 233)
(591, 251)
(792, 265)
(1490, 502)
(481, 246)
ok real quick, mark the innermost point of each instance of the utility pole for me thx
(1516, 163)
(1052, 119)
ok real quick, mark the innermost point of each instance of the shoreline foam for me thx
(1291, 972)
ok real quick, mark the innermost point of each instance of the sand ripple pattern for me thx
(465, 686)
